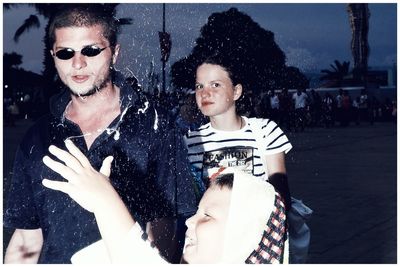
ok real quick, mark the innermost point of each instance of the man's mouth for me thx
(80, 78)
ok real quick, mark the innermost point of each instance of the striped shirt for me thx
(209, 148)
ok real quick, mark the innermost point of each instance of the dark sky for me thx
(311, 35)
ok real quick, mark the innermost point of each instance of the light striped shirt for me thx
(209, 148)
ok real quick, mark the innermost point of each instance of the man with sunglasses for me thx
(104, 117)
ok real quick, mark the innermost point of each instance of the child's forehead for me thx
(216, 197)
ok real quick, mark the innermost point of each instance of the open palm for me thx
(88, 187)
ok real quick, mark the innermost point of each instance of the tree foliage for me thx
(337, 73)
(292, 77)
(250, 48)
(31, 22)
(11, 60)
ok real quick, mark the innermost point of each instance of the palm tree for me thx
(359, 15)
(337, 74)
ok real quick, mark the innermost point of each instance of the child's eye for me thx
(215, 85)
(198, 86)
(207, 216)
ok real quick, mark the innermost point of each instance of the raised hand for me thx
(88, 187)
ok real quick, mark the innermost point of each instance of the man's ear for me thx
(237, 91)
(116, 53)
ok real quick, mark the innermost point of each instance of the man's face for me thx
(206, 229)
(83, 75)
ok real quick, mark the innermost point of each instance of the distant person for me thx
(300, 103)
(274, 103)
(338, 111)
(6, 112)
(264, 106)
(387, 108)
(240, 219)
(285, 109)
(345, 109)
(356, 110)
(189, 117)
(315, 108)
(375, 109)
(394, 111)
(327, 109)
(251, 107)
(365, 107)
(26, 106)
(14, 111)
(101, 113)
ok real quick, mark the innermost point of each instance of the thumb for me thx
(106, 166)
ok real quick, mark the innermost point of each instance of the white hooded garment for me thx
(252, 204)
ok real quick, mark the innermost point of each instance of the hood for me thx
(256, 226)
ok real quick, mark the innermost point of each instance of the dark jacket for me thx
(149, 171)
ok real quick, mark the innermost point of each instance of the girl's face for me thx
(215, 93)
(206, 229)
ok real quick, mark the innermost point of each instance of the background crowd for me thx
(292, 109)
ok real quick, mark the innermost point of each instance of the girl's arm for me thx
(277, 176)
(275, 163)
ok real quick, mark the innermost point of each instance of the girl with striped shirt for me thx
(257, 146)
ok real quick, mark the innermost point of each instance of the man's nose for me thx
(78, 61)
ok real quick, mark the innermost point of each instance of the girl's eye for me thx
(215, 85)
(198, 86)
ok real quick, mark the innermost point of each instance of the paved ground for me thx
(346, 175)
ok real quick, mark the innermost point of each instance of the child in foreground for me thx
(239, 219)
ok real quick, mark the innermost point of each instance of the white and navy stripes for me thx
(207, 140)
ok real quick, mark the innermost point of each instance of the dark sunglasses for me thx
(88, 51)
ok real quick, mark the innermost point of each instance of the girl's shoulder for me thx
(201, 129)
(258, 122)
(254, 120)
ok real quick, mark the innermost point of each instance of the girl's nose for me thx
(205, 92)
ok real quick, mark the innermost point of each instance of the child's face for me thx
(215, 93)
(206, 229)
